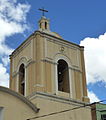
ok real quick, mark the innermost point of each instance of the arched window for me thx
(63, 76)
(45, 25)
(40, 25)
(22, 79)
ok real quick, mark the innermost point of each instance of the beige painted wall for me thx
(49, 105)
(14, 108)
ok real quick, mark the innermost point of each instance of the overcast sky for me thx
(79, 21)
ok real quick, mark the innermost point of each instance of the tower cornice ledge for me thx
(56, 98)
(58, 38)
(25, 43)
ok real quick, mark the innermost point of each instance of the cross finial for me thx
(43, 11)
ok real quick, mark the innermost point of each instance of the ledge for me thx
(46, 34)
(56, 98)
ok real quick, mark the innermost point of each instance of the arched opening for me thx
(40, 25)
(22, 79)
(63, 76)
(45, 25)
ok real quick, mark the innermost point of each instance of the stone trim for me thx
(30, 62)
(48, 61)
(19, 96)
(38, 85)
(23, 45)
(15, 74)
(50, 37)
(58, 39)
(54, 63)
(62, 43)
(73, 68)
(56, 98)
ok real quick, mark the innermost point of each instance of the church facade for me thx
(49, 72)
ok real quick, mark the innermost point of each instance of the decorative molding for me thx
(62, 49)
(48, 37)
(48, 61)
(23, 45)
(65, 58)
(62, 43)
(23, 60)
(56, 98)
(17, 51)
(30, 62)
(73, 68)
(38, 85)
(14, 74)
(59, 40)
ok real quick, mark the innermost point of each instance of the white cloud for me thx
(93, 97)
(13, 11)
(4, 76)
(4, 49)
(12, 21)
(95, 58)
(5, 60)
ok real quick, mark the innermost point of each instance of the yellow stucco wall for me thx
(13, 107)
(52, 108)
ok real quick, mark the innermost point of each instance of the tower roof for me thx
(44, 26)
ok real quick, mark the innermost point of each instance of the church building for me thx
(47, 79)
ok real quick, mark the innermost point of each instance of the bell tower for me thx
(44, 24)
(47, 63)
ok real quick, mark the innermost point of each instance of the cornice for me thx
(57, 39)
(49, 36)
(23, 45)
(75, 68)
(55, 98)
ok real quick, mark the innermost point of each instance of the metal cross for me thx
(43, 11)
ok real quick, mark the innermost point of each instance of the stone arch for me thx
(21, 77)
(63, 57)
(22, 60)
(63, 76)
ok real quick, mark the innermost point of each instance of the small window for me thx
(63, 76)
(40, 25)
(22, 79)
(45, 25)
(103, 117)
